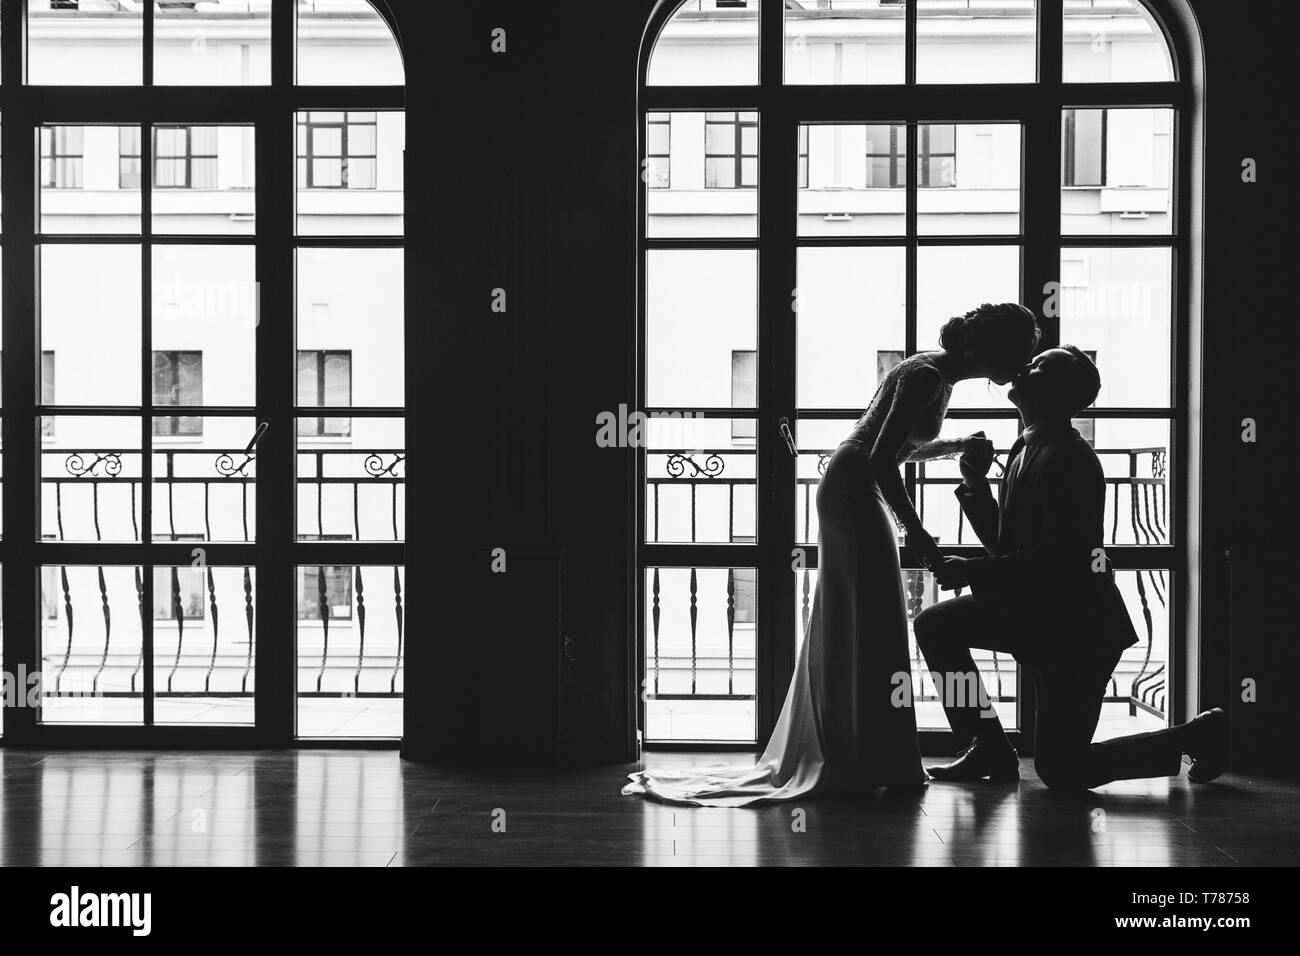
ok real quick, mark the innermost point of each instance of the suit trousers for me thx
(1069, 681)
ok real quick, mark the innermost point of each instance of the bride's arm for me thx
(943, 448)
(914, 392)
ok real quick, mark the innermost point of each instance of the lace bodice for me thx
(928, 423)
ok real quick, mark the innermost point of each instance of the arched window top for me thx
(707, 43)
(346, 43)
(830, 42)
(1114, 41)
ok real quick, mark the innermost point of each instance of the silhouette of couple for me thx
(1042, 594)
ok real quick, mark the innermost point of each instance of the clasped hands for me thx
(975, 462)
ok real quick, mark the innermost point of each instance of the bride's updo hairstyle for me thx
(992, 331)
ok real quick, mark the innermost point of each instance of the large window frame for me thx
(275, 551)
(782, 109)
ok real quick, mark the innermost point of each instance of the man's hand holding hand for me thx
(976, 460)
(952, 574)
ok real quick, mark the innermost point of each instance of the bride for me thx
(839, 730)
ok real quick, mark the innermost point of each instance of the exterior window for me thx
(1083, 152)
(659, 139)
(338, 150)
(803, 156)
(324, 381)
(744, 392)
(335, 582)
(178, 380)
(62, 156)
(938, 164)
(179, 588)
(731, 150)
(185, 157)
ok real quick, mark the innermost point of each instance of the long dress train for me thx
(846, 725)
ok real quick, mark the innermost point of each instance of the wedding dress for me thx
(839, 730)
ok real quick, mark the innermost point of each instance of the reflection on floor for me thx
(733, 721)
(353, 808)
(318, 717)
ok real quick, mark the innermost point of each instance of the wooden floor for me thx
(355, 808)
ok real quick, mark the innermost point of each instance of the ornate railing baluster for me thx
(216, 627)
(731, 630)
(806, 610)
(324, 605)
(108, 629)
(655, 612)
(361, 629)
(178, 611)
(695, 614)
(397, 601)
(67, 608)
(248, 618)
(139, 590)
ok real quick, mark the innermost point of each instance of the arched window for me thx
(824, 183)
(203, 355)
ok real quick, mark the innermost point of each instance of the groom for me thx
(1045, 595)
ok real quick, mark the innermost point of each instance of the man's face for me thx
(1039, 382)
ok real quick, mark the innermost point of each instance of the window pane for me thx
(707, 43)
(208, 160)
(351, 301)
(710, 184)
(845, 41)
(700, 479)
(976, 41)
(91, 319)
(700, 626)
(205, 306)
(350, 664)
(84, 186)
(204, 479)
(1135, 455)
(952, 280)
(1117, 172)
(204, 637)
(1137, 699)
(56, 43)
(90, 479)
(350, 173)
(91, 645)
(353, 490)
(220, 43)
(970, 179)
(701, 306)
(346, 43)
(1114, 41)
(852, 306)
(1116, 304)
(856, 182)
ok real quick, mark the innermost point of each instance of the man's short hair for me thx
(1084, 381)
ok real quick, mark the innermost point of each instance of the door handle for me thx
(783, 427)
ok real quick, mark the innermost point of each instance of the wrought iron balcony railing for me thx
(349, 644)
(683, 663)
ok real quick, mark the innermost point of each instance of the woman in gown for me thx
(840, 729)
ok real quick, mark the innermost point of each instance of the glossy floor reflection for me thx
(368, 808)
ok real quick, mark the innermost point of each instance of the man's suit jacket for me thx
(1042, 535)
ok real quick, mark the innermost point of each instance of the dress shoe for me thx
(980, 761)
(1207, 742)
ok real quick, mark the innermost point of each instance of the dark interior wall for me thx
(522, 176)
